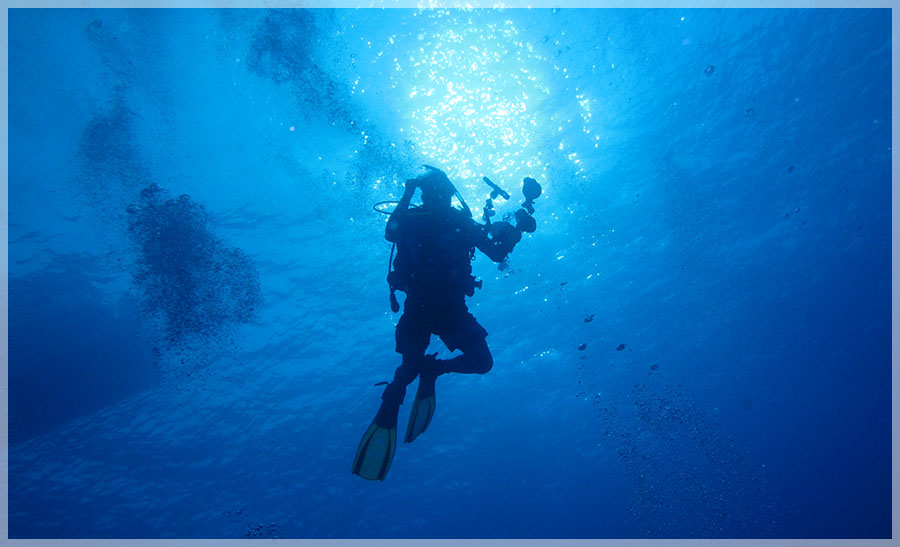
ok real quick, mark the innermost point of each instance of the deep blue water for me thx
(714, 229)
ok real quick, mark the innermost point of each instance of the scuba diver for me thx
(435, 245)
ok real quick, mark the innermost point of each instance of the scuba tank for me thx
(394, 279)
(502, 233)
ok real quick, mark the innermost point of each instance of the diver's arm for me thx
(504, 238)
(498, 239)
(396, 218)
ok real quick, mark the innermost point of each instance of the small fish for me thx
(582, 347)
(620, 347)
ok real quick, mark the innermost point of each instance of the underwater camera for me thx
(504, 232)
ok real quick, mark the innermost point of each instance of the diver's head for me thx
(437, 190)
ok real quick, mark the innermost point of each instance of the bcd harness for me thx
(397, 281)
(524, 224)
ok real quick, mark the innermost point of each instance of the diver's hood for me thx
(438, 182)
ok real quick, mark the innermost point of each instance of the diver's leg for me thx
(395, 391)
(411, 338)
(409, 367)
(476, 357)
(376, 448)
(467, 335)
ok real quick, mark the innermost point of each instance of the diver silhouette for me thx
(435, 245)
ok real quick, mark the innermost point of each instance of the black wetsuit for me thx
(433, 267)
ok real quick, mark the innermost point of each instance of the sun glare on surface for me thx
(471, 90)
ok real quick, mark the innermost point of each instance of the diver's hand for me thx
(411, 185)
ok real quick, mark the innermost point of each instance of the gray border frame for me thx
(4, 290)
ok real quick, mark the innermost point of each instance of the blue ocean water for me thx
(694, 343)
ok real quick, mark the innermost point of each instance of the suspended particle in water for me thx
(709, 70)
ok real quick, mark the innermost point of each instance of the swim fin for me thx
(375, 452)
(423, 406)
(376, 449)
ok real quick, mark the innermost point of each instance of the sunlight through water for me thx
(471, 91)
